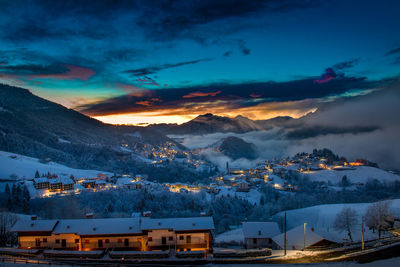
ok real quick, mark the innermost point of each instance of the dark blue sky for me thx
(168, 61)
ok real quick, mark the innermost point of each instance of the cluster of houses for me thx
(136, 233)
(268, 235)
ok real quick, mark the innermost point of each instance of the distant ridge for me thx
(210, 123)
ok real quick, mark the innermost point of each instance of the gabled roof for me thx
(260, 229)
(25, 225)
(295, 237)
(109, 226)
(178, 224)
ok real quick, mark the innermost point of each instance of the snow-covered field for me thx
(361, 174)
(22, 166)
(381, 263)
(322, 217)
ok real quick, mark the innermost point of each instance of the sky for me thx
(140, 62)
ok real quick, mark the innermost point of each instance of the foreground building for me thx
(140, 234)
(302, 237)
(260, 234)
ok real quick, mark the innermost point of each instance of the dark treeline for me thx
(226, 210)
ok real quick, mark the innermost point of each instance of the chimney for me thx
(89, 215)
(33, 217)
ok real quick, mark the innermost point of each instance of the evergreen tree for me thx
(37, 174)
(7, 190)
(345, 181)
(25, 200)
(262, 202)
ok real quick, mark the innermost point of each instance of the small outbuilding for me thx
(260, 234)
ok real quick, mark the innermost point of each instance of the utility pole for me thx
(362, 235)
(285, 239)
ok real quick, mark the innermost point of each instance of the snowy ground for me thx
(322, 217)
(361, 174)
(23, 166)
(381, 263)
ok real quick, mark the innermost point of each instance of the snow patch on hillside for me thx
(361, 174)
(14, 166)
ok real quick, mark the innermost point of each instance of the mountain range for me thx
(209, 123)
(39, 128)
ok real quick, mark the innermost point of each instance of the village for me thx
(281, 174)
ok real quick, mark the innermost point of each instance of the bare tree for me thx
(376, 214)
(345, 220)
(7, 220)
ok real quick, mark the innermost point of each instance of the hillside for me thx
(236, 148)
(33, 126)
(14, 166)
(360, 174)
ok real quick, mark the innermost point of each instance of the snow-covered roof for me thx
(295, 237)
(109, 226)
(26, 225)
(100, 182)
(41, 180)
(179, 224)
(61, 180)
(260, 229)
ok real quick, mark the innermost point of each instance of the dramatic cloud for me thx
(345, 65)
(329, 75)
(179, 19)
(201, 94)
(314, 131)
(393, 52)
(33, 69)
(74, 72)
(154, 69)
(224, 96)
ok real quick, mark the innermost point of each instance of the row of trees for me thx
(378, 217)
(18, 198)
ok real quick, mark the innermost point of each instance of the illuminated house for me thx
(139, 233)
(179, 233)
(41, 183)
